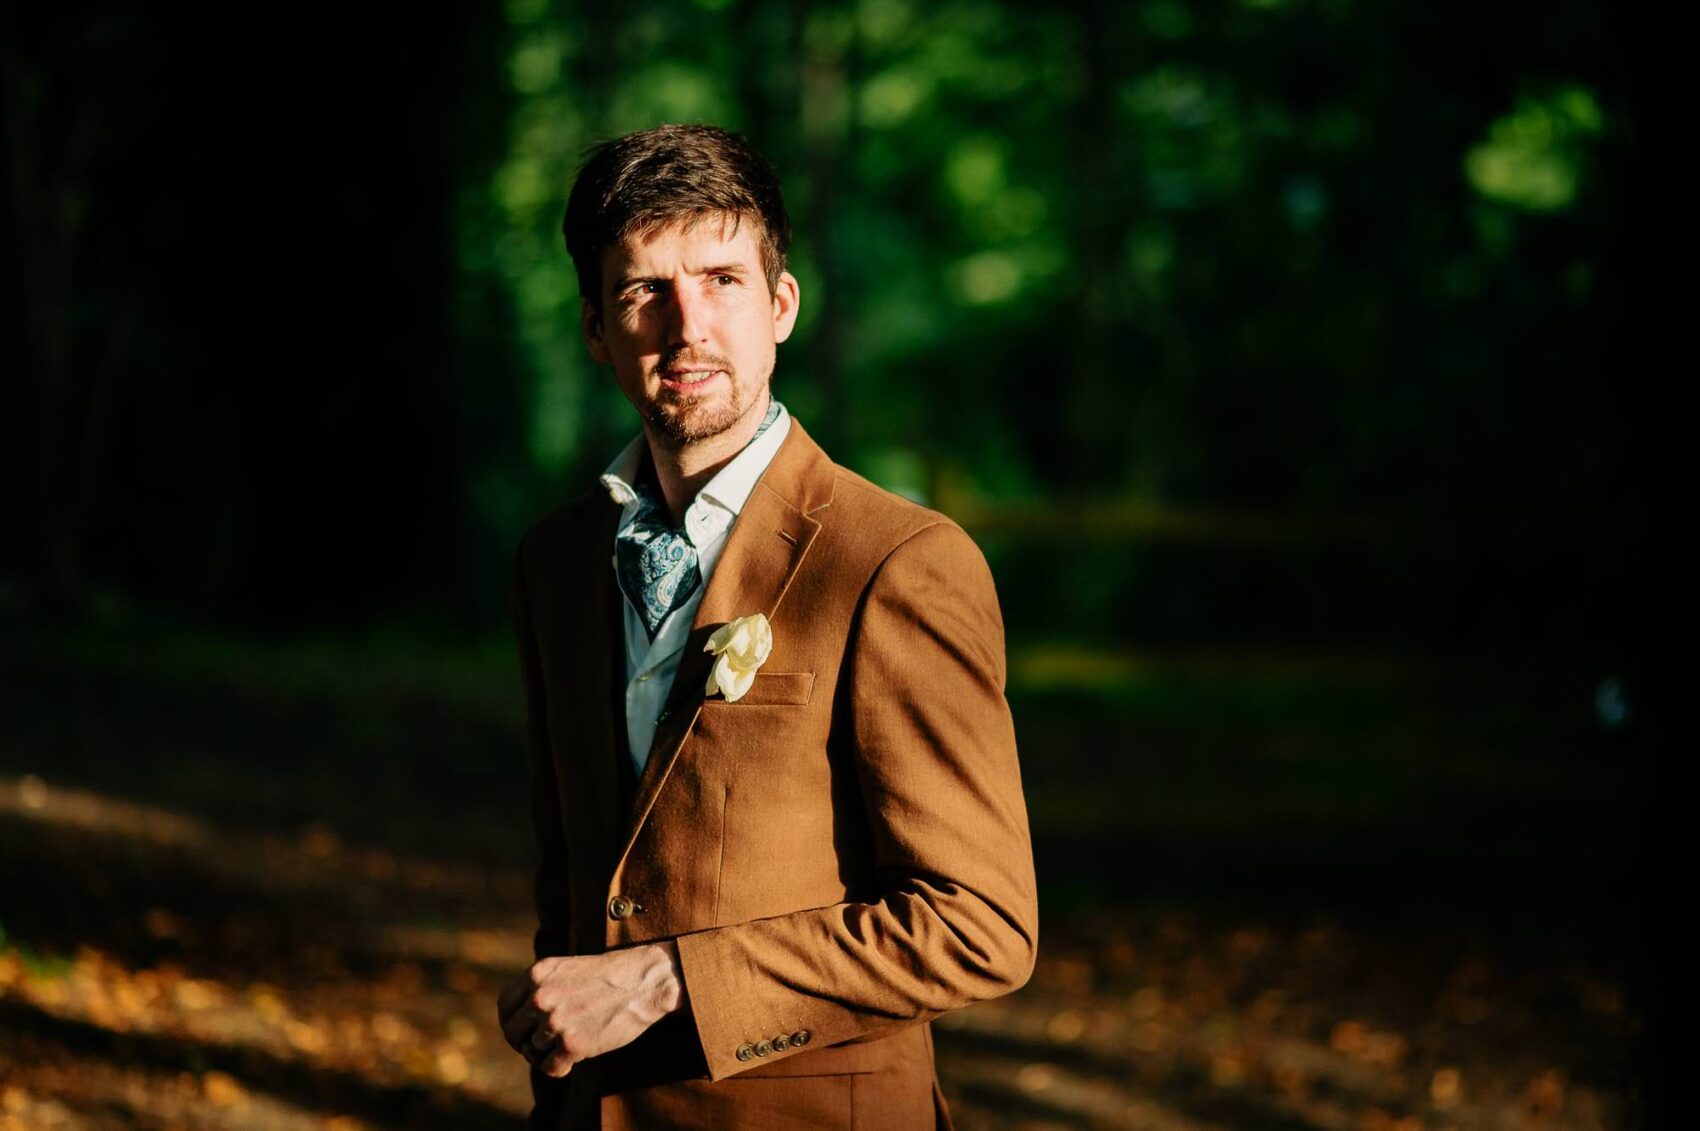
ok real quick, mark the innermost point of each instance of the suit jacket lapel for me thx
(763, 552)
(605, 638)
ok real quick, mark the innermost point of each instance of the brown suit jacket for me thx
(842, 854)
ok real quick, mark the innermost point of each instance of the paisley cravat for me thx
(657, 561)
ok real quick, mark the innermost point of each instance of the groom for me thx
(769, 856)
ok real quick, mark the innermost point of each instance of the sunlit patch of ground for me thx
(180, 974)
(254, 886)
(177, 968)
(1164, 1022)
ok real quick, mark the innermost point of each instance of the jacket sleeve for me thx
(551, 893)
(956, 918)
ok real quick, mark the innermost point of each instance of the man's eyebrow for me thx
(738, 269)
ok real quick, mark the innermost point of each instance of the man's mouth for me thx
(686, 378)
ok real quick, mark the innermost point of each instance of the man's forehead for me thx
(707, 241)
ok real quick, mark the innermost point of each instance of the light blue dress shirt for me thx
(651, 666)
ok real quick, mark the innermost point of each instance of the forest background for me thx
(1283, 356)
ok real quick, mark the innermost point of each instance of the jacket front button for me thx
(619, 907)
(800, 1037)
(764, 1048)
(781, 1043)
(745, 1052)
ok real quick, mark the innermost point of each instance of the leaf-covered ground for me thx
(258, 889)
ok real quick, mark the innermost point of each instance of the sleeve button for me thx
(781, 1043)
(764, 1048)
(745, 1052)
(800, 1037)
(619, 907)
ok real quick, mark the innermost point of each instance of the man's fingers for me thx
(517, 1029)
(549, 1057)
(560, 1063)
(542, 1037)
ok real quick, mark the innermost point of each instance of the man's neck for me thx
(683, 471)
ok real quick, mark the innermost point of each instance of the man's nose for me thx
(688, 315)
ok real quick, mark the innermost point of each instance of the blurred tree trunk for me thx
(827, 83)
(1099, 397)
(71, 347)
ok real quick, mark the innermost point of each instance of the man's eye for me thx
(726, 278)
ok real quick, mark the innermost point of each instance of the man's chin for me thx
(688, 423)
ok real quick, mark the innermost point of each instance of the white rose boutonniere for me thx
(740, 647)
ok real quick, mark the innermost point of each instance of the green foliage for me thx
(1534, 157)
(1160, 256)
(1118, 226)
(1293, 261)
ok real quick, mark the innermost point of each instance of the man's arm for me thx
(934, 742)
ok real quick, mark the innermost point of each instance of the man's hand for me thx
(567, 1009)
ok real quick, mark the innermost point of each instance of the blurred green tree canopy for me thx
(1285, 318)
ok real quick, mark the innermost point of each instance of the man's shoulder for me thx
(562, 527)
(874, 521)
(921, 562)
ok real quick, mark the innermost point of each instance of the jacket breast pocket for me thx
(769, 689)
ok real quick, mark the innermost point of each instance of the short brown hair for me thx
(648, 180)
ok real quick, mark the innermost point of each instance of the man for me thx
(769, 855)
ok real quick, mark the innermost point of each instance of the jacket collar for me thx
(767, 544)
(729, 488)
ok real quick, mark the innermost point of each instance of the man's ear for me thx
(590, 321)
(786, 297)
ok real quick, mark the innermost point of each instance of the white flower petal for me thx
(740, 683)
(740, 646)
(725, 674)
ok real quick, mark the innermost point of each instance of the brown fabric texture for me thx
(842, 852)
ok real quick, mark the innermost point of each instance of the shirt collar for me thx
(729, 488)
